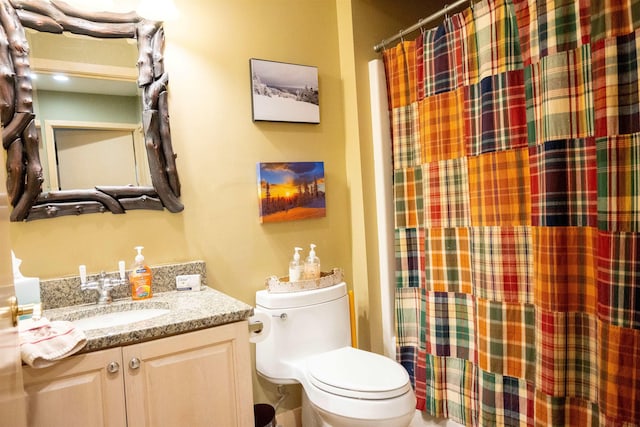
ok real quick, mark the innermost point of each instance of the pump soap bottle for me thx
(140, 277)
(295, 266)
(312, 264)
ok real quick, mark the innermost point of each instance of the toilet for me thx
(306, 339)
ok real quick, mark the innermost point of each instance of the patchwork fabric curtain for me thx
(516, 152)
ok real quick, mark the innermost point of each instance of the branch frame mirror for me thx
(20, 136)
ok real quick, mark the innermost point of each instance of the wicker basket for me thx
(282, 284)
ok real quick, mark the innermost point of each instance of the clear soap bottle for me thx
(295, 266)
(312, 264)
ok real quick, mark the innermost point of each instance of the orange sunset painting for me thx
(291, 191)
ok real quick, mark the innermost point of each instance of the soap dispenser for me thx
(140, 277)
(312, 264)
(295, 266)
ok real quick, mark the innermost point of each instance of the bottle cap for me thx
(139, 257)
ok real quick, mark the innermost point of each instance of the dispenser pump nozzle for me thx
(312, 252)
(296, 255)
(139, 257)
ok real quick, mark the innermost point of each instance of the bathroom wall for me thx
(207, 56)
(365, 24)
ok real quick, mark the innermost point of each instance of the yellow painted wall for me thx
(363, 24)
(207, 56)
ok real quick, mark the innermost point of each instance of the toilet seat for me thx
(358, 374)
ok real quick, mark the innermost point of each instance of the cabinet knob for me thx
(113, 367)
(134, 363)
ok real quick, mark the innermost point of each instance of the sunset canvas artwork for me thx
(291, 191)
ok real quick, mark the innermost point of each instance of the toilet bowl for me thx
(353, 387)
(307, 341)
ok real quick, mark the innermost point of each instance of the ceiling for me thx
(79, 84)
(91, 65)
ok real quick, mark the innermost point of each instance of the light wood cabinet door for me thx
(200, 378)
(79, 391)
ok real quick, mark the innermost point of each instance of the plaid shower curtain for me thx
(516, 152)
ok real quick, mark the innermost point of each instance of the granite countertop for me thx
(189, 311)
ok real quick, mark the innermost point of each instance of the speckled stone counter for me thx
(188, 311)
(65, 291)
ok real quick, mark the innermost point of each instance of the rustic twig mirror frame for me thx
(20, 136)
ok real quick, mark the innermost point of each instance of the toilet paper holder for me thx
(255, 326)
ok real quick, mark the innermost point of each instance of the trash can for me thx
(264, 415)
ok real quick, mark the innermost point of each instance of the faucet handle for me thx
(83, 273)
(121, 269)
(110, 283)
(84, 285)
(103, 284)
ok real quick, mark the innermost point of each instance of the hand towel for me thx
(44, 342)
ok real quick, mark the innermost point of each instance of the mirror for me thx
(88, 111)
(86, 155)
(23, 111)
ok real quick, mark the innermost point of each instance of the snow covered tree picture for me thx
(282, 92)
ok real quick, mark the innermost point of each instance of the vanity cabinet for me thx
(78, 391)
(200, 378)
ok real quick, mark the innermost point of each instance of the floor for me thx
(292, 419)
(424, 420)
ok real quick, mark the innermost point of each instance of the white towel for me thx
(44, 342)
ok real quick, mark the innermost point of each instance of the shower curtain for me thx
(516, 153)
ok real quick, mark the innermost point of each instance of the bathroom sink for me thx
(119, 318)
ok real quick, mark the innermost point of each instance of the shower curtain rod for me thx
(420, 24)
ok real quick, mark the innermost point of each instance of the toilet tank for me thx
(300, 324)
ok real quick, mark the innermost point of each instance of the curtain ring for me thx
(401, 36)
(422, 30)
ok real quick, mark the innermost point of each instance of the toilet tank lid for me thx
(267, 299)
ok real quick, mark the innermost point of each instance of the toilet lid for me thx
(359, 374)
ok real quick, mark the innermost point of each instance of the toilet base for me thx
(310, 417)
(314, 417)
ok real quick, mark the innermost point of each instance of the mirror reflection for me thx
(89, 111)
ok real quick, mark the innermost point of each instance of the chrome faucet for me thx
(103, 285)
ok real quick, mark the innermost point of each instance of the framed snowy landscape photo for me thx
(282, 92)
